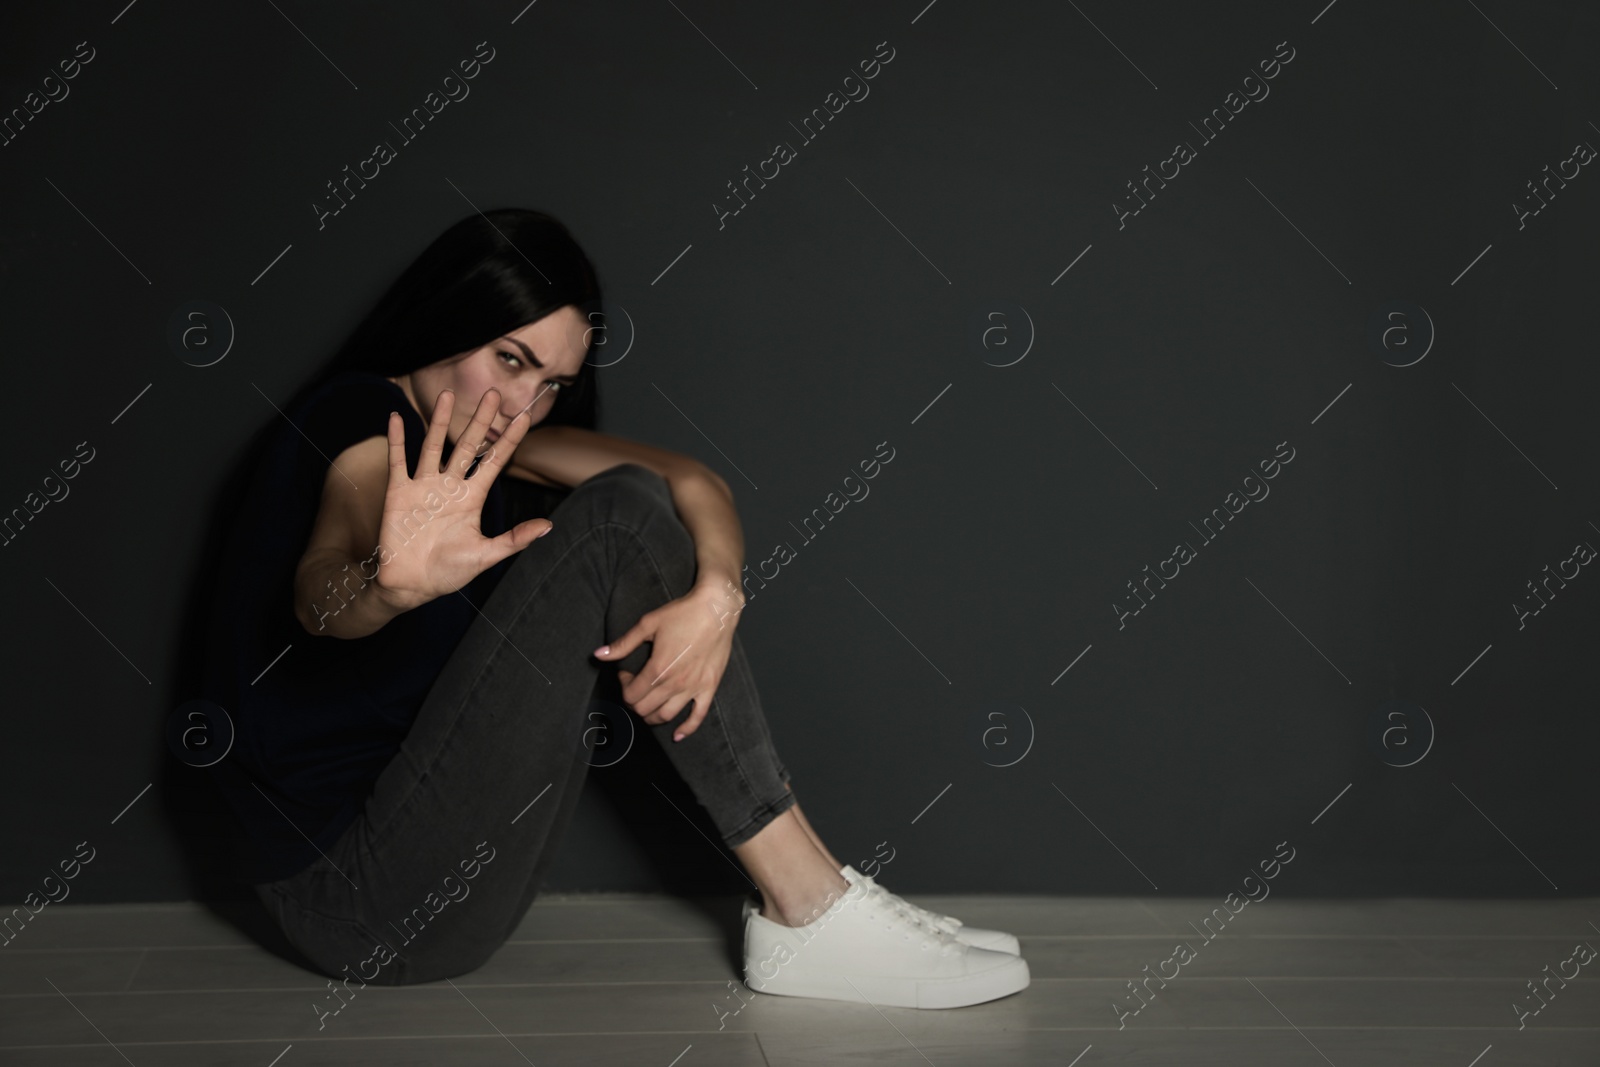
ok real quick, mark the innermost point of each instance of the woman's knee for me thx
(630, 484)
(634, 497)
(634, 493)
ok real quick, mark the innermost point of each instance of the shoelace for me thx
(943, 922)
(904, 912)
(901, 911)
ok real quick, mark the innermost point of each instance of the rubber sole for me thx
(955, 992)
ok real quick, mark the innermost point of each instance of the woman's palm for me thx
(432, 521)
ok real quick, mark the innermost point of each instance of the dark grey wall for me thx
(1068, 392)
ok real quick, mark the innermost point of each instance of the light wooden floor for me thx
(635, 979)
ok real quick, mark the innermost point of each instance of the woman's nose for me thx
(538, 395)
(525, 402)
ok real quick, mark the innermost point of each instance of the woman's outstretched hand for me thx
(430, 533)
(692, 641)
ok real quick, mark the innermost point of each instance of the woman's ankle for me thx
(804, 908)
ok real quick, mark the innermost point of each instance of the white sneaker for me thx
(865, 949)
(976, 936)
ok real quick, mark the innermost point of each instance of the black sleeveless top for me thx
(316, 717)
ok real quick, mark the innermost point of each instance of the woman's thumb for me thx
(519, 533)
(516, 539)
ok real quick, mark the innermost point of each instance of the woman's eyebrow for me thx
(528, 352)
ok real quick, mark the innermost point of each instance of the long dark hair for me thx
(485, 276)
(482, 278)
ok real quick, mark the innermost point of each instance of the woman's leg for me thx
(833, 861)
(447, 855)
(794, 873)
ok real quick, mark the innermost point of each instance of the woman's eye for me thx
(517, 361)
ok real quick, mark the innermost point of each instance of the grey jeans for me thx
(447, 854)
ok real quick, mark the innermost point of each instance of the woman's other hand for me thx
(691, 642)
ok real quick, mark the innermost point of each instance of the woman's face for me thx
(529, 366)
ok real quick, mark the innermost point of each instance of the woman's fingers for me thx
(669, 709)
(660, 697)
(640, 690)
(645, 704)
(501, 451)
(470, 448)
(397, 448)
(471, 441)
(433, 443)
(674, 707)
(692, 723)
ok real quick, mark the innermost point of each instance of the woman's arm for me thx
(705, 504)
(334, 595)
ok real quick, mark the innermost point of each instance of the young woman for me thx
(432, 566)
